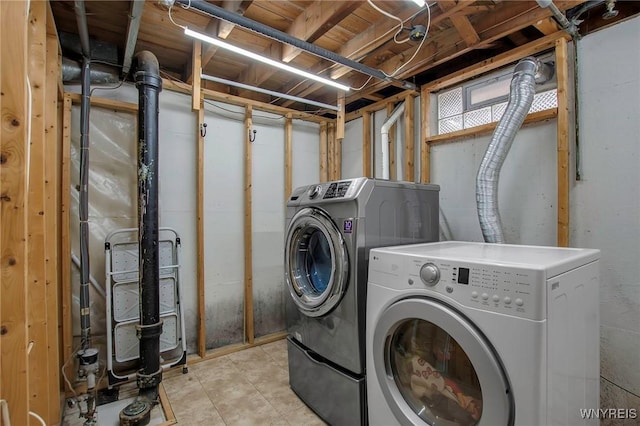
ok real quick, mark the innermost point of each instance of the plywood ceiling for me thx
(461, 33)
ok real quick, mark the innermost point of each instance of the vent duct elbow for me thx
(520, 100)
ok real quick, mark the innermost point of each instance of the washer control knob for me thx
(485, 296)
(519, 302)
(429, 274)
(314, 191)
(474, 294)
(496, 298)
(507, 300)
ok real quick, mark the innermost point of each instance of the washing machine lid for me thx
(316, 262)
(436, 368)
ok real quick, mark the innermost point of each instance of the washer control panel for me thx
(489, 287)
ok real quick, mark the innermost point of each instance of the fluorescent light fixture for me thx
(420, 3)
(265, 60)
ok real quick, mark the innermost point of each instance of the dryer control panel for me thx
(488, 287)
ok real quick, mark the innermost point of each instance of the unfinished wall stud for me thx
(248, 229)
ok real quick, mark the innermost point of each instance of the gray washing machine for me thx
(330, 229)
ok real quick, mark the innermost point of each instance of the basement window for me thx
(484, 100)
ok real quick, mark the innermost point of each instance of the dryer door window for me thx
(436, 368)
(316, 262)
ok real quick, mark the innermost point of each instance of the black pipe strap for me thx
(146, 381)
(148, 79)
(149, 331)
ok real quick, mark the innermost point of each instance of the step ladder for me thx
(123, 311)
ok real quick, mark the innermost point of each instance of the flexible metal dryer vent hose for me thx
(520, 99)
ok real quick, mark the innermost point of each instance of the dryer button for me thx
(519, 302)
(507, 300)
(496, 298)
(485, 296)
(474, 294)
(449, 289)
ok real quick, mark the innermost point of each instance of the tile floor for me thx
(250, 387)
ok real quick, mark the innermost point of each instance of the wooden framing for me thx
(409, 137)
(324, 147)
(52, 170)
(288, 157)
(562, 70)
(202, 325)
(366, 144)
(65, 241)
(196, 66)
(14, 373)
(112, 104)
(425, 132)
(340, 116)
(558, 41)
(248, 229)
(36, 277)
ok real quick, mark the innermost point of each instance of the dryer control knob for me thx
(429, 274)
(314, 191)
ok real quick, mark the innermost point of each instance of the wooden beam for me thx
(324, 171)
(202, 324)
(378, 105)
(197, 71)
(425, 133)
(135, 16)
(504, 19)
(496, 62)
(222, 29)
(248, 230)
(65, 229)
(315, 20)
(474, 132)
(52, 172)
(256, 73)
(14, 376)
(288, 157)
(409, 140)
(366, 144)
(562, 70)
(331, 141)
(340, 116)
(392, 145)
(113, 104)
(461, 24)
(380, 33)
(236, 100)
(36, 275)
(547, 26)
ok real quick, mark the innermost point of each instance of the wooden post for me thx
(366, 144)
(248, 240)
(14, 376)
(562, 69)
(331, 137)
(340, 116)
(36, 278)
(65, 229)
(53, 162)
(324, 172)
(202, 326)
(197, 68)
(393, 174)
(425, 132)
(409, 140)
(288, 156)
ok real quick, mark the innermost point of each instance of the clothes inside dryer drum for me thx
(318, 261)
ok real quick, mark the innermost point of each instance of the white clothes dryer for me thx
(463, 333)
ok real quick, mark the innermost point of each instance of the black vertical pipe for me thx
(149, 84)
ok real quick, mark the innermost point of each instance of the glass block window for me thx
(482, 101)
